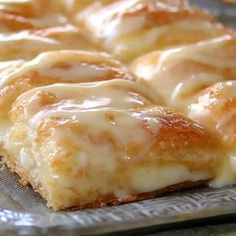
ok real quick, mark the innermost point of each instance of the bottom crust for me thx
(140, 196)
(107, 200)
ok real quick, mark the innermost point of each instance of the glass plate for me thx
(22, 211)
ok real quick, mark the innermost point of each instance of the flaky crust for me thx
(56, 115)
(108, 200)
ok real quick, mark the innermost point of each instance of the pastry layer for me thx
(68, 66)
(131, 28)
(179, 74)
(30, 27)
(215, 107)
(198, 81)
(100, 142)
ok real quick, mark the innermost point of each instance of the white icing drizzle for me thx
(82, 66)
(124, 26)
(59, 37)
(104, 106)
(83, 97)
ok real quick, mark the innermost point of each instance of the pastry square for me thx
(101, 143)
(199, 81)
(68, 66)
(131, 28)
(180, 74)
(28, 14)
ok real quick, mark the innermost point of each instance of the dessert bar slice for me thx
(93, 144)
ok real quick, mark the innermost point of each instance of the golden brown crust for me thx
(15, 15)
(13, 22)
(112, 201)
(215, 107)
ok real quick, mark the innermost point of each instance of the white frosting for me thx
(192, 85)
(71, 66)
(82, 66)
(80, 97)
(59, 37)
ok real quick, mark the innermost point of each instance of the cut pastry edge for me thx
(181, 178)
(107, 200)
(224, 177)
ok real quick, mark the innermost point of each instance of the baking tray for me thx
(24, 212)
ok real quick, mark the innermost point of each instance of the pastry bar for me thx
(70, 66)
(203, 88)
(195, 67)
(102, 143)
(131, 28)
(29, 27)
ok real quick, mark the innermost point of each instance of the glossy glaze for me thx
(131, 28)
(181, 73)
